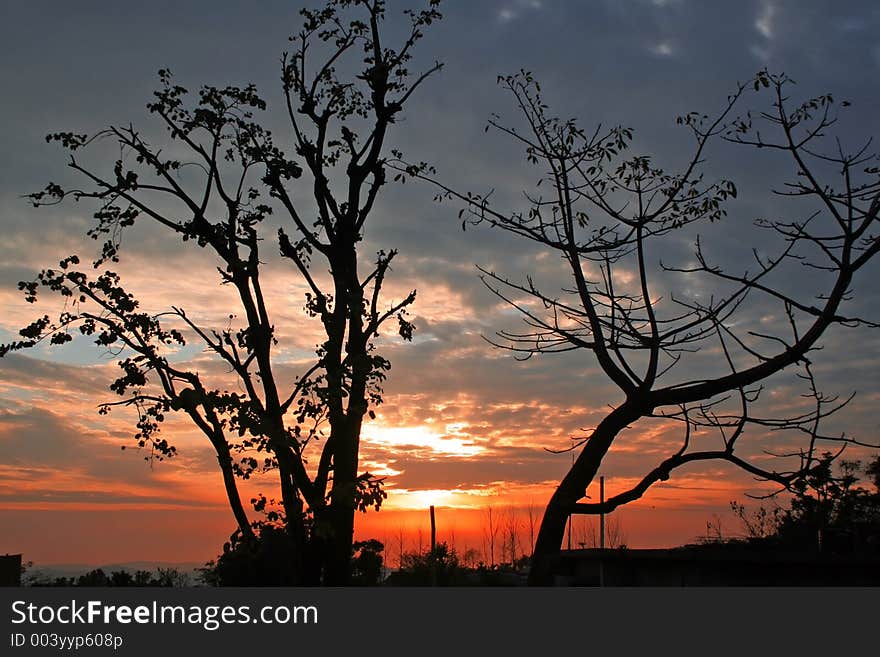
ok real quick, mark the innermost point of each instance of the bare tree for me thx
(470, 558)
(587, 533)
(532, 517)
(606, 212)
(490, 529)
(236, 176)
(760, 523)
(510, 526)
(615, 536)
(401, 546)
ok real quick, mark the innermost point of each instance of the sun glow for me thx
(452, 443)
(422, 499)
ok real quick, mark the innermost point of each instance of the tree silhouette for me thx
(829, 511)
(689, 357)
(438, 566)
(218, 196)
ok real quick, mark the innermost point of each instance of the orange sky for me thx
(70, 495)
(464, 432)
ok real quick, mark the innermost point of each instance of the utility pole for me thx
(602, 514)
(433, 549)
(602, 531)
(569, 515)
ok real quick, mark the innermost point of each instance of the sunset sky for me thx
(464, 426)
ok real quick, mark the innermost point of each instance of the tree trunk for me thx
(337, 571)
(337, 557)
(573, 487)
(548, 543)
(231, 485)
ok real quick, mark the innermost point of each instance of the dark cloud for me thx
(35, 373)
(106, 497)
(532, 467)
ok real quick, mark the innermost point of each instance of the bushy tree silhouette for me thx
(830, 512)
(228, 175)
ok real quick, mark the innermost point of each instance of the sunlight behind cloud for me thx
(420, 436)
(422, 499)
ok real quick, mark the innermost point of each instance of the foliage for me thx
(268, 559)
(367, 563)
(228, 176)
(829, 511)
(439, 567)
(443, 566)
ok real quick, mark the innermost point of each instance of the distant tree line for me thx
(162, 577)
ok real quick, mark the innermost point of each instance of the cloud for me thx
(765, 20)
(663, 49)
(56, 453)
(513, 10)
